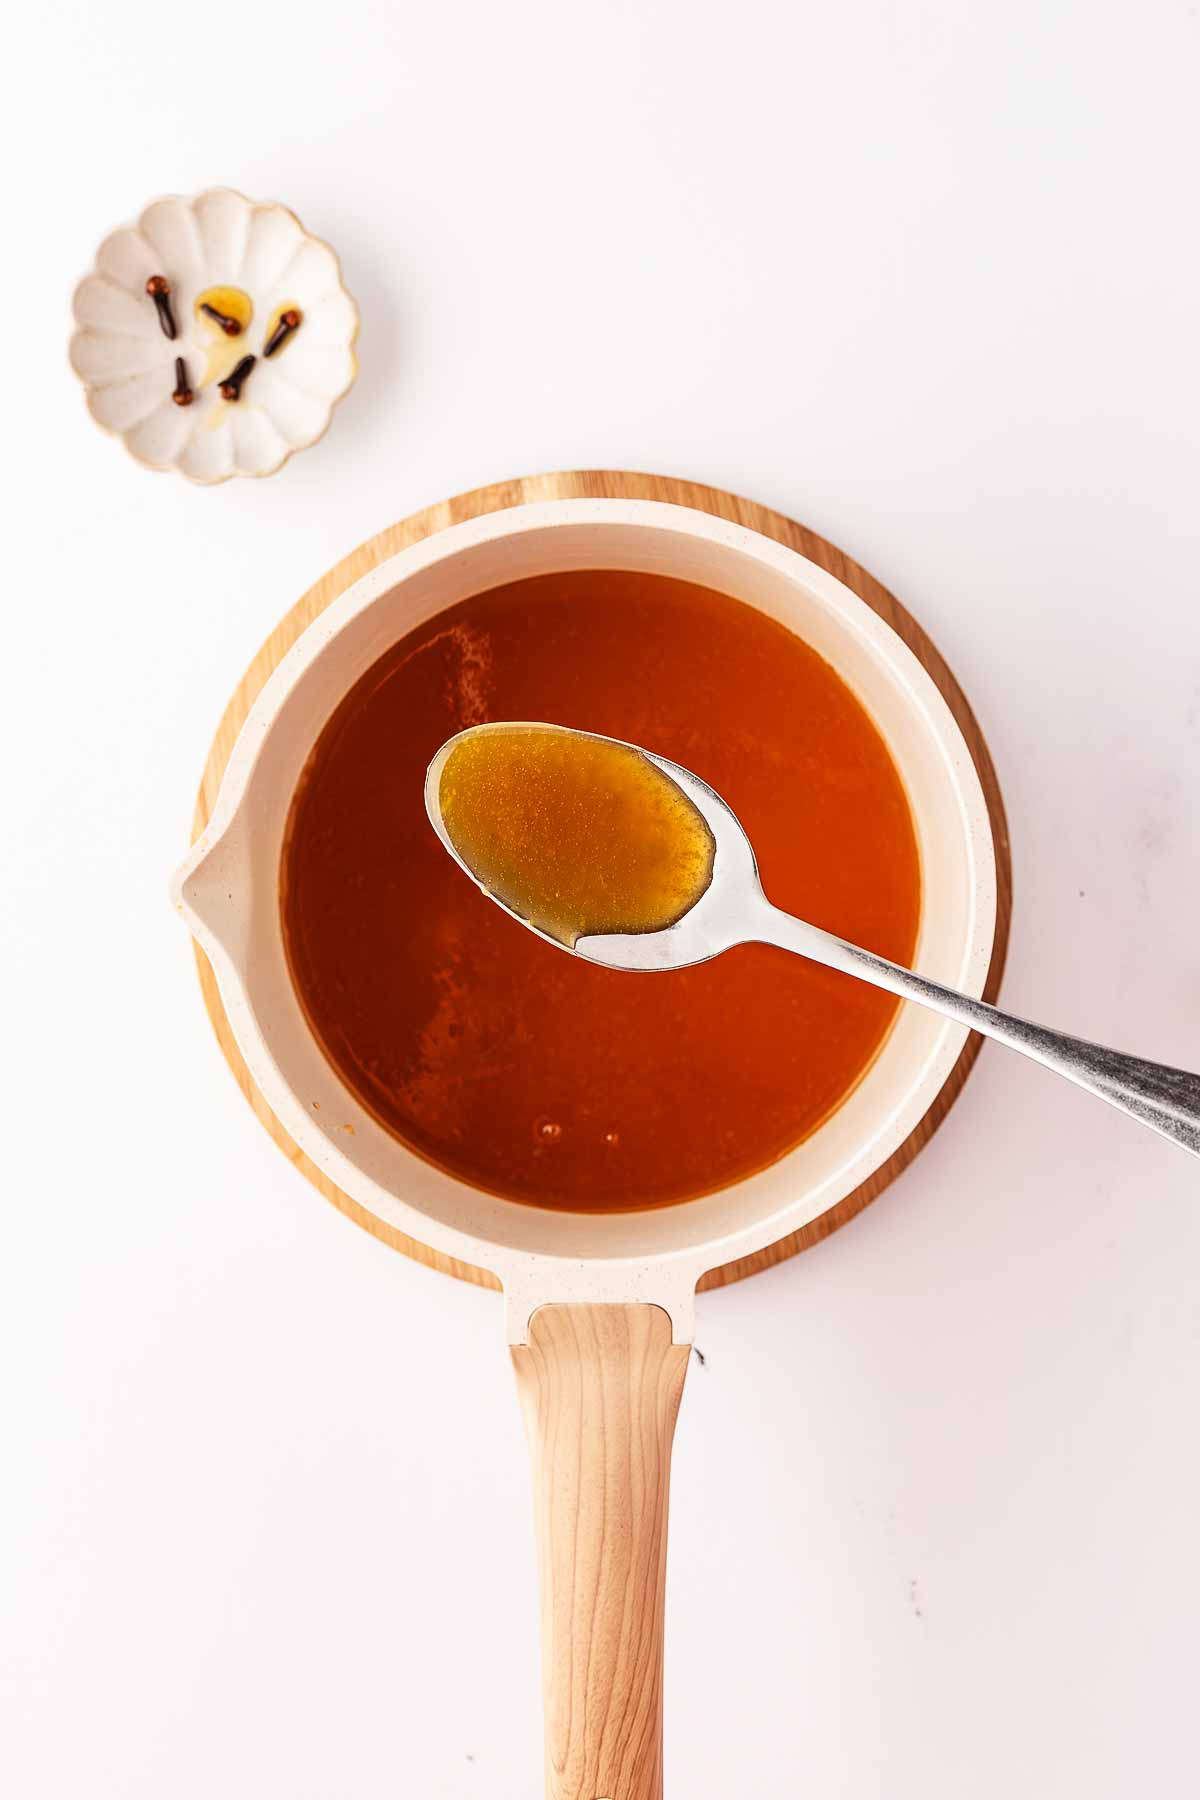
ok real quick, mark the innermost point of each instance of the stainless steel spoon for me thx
(734, 910)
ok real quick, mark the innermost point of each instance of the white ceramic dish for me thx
(228, 891)
(127, 364)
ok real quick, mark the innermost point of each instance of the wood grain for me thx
(600, 1388)
(617, 484)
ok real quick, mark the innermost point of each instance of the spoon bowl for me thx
(716, 921)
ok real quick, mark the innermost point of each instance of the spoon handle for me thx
(1168, 1100)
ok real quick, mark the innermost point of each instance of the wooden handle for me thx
(600, 1387)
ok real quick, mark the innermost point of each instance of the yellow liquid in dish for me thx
(578, 835)
(222, 353)
(234, 302)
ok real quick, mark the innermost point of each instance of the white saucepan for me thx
(598, 1307)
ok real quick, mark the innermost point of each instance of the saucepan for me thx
(598, 1307)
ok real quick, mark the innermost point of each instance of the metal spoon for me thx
(734, 910)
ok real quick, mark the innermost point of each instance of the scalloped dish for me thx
(215, 336)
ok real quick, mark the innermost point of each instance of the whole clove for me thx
(159, 290)
(183, 395)
(289, 321)
(229, 325)
(231, 387)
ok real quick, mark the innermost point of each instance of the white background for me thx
(925, 276)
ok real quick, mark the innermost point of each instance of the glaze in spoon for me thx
(630, 861)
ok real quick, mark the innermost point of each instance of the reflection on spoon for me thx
(633, 862)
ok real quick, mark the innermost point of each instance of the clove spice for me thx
(183, 395)
(159, 290)
(231, 387)
(289, 321)
(228, 324)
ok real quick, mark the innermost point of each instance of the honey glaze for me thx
(574, 833)
(542, 1077)
(223, 314)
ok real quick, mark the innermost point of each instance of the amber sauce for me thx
(534, 1074)
(222, 351)
(574, 833)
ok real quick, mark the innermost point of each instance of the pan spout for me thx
(212, 890)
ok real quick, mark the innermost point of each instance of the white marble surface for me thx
(926, 277)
